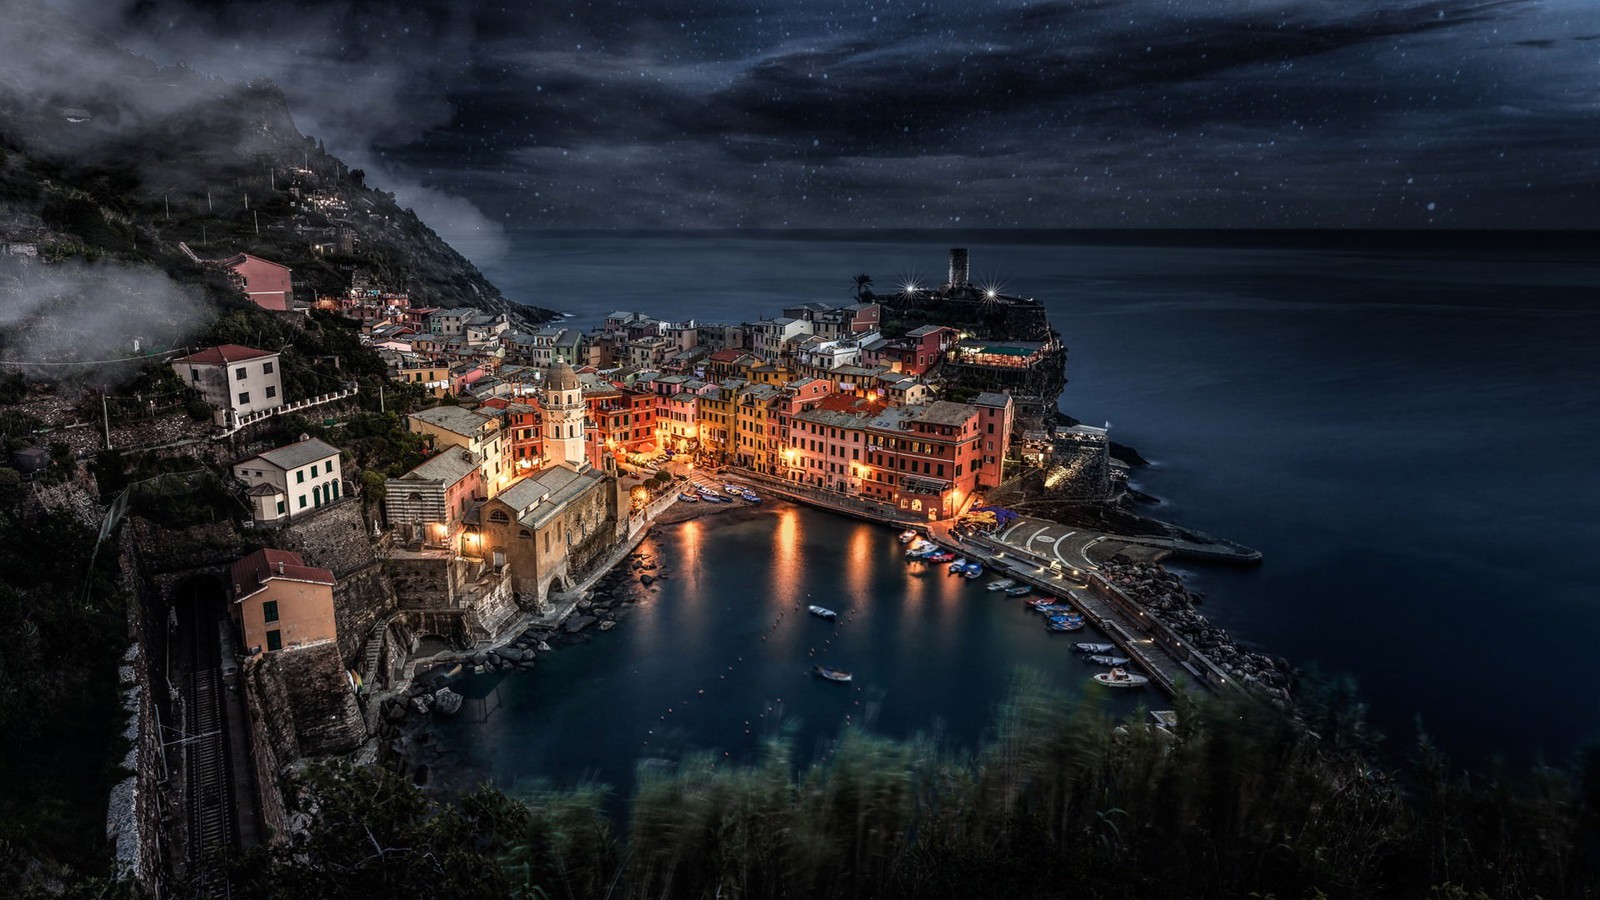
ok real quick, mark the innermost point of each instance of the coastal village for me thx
(317, 622)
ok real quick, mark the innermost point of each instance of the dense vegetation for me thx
(1242, 802)
(64, 627)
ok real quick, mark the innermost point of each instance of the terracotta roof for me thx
(728, 355)
(252, 573)
(224, 354)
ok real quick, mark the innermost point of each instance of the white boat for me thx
(831, 673)
(732, 488)
(1121, 678)
(1104, 660)
(907, 536)
(1000, 584)
(822, 612)
(1094, 648)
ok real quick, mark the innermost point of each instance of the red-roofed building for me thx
(269, 285)
(280, 603)
(235, 380)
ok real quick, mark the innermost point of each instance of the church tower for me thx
(563, 418)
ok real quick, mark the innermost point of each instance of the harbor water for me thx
(1406, 435)
(716, 657)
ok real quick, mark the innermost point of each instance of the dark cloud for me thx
(1299, 113)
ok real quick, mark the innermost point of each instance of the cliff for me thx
(104, 154)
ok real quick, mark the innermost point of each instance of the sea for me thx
(1405, 428)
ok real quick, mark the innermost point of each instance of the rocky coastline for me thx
(1165, 596)
(406, 720)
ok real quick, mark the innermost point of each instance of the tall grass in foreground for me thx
(1059, 802)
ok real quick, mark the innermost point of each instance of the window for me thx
(244, 397)
(269, 611)
(302, 501)
(499, 517)
(272, 391)
(524, 535)
(194, 374)
(266, 368)
(274, 640)
(300, 477)
(239, 374)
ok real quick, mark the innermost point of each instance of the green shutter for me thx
(274, 640)
(269, 611)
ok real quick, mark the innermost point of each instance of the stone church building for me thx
(548, 527)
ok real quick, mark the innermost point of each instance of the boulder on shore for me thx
(447, 702)
(579, 623)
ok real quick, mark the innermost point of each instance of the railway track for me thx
(209, 794)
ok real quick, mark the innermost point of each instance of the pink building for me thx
(267, 284)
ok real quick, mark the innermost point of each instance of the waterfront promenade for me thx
(1053, 558)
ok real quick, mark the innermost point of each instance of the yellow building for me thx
(281, 603)
(478, 434)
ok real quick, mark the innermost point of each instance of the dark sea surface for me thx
(1408, 435)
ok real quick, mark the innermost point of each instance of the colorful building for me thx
(280, 603)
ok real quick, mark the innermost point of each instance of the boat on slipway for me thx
(907, 536)
(1121, 678)
(688, 498)
(833, 674)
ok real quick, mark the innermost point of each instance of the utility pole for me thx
(381, 407)
(166, 205)
(246, 199)
(105, 418)
(256, 216)
(208, 201)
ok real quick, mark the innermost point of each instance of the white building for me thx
(291, 480)
(235, 380)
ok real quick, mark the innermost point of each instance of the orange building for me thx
(280, 603)
(621, 422)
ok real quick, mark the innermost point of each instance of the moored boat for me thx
(750, 497)
(1088, 647)
(1018, 591)
(1103, 660)
(972, 570)
(907, 536)
(688, 498)
(1121, 678)
(1000, 584)
(832, 674)
(941, 556)
(822, 612)
(957, 566)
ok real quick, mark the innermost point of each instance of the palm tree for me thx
(862, 282)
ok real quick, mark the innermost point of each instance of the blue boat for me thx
(972, 570)
(750, 496)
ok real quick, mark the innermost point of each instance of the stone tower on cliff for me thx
(563, 418)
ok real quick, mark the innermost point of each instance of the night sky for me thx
(1084, 113)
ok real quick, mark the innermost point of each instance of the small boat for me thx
(833, 674)
(750, 497)
(972, 570)
(688, 498)
(941, 556)
(735, 492)
(1018, 591)
(1065, 623)
(907, 536)
(1121, 678)
(1101, 659)
(958, 565)
(1000, 584)
(822, 612)
(1053, 609)
(1042, 601)
(920, 547)
(1094, 648)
